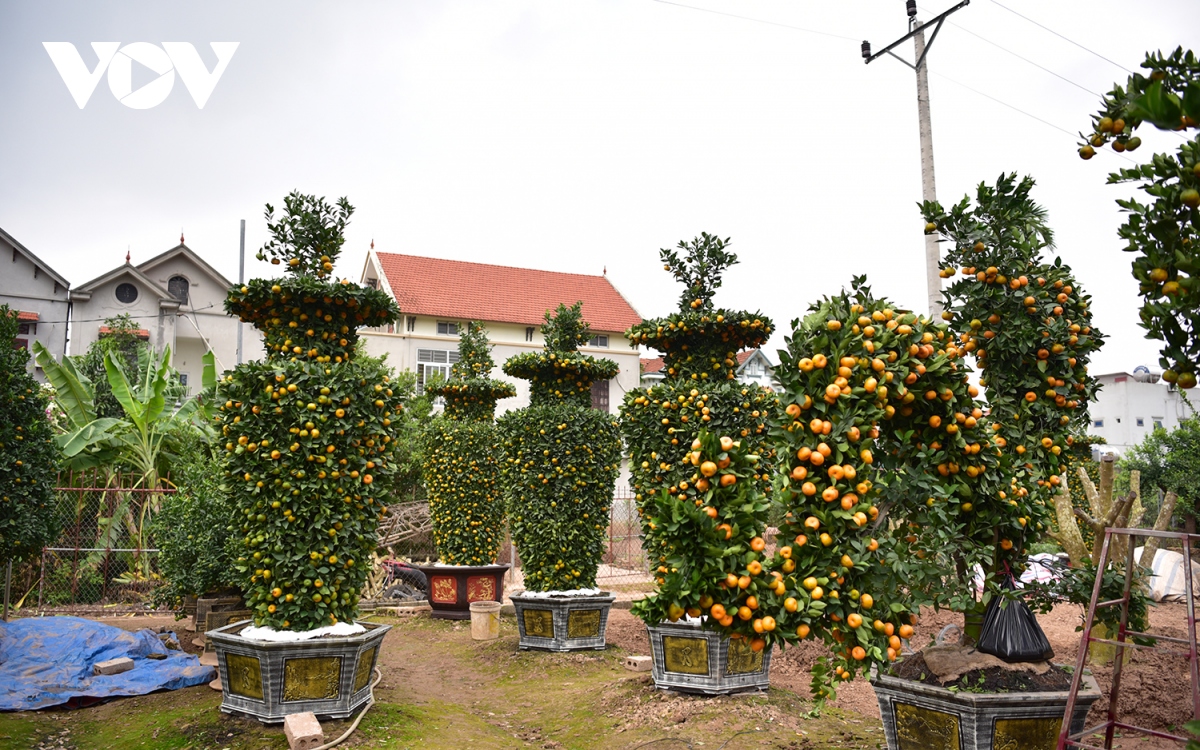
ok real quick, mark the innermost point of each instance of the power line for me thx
(1027, 114)
(1065, 38)
(1022, 58)
(758, 20)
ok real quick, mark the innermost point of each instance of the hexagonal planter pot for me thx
(329, 676)
(562, 623)
(692, 660)
(452, 588)
(917, 716)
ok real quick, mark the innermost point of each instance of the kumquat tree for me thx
(1163, 234)
(463, 457)
(563, 458)
(307, 431)
(711, 496)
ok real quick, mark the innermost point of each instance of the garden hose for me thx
(361, 714)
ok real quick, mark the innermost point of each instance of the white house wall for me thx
(508, 340)
(1119, 405)
(26, 287)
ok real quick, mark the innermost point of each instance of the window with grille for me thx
(410, 323)
(26, 329)
(127, 293)
(598, 341)
(600, 395)
(432, 362)
(178, 287)
(529, 333)
(447, 328)
(20, 343)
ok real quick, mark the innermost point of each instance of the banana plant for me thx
(88, 442)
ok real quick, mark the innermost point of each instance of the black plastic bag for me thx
(1012, 632)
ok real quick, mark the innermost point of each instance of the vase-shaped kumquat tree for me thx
(1164, 234)
(563, 457)
(463, 457)
(308, 430)
(681, 506)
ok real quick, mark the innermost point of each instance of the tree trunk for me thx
(1164, 520)
(1068, 535)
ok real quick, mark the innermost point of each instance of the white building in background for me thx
(177, 300)
(39, 295)
(438, 296)
(1130, 406)
(753, 368)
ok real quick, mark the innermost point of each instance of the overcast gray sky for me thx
(574, 135)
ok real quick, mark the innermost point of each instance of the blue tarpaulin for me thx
(47, 661)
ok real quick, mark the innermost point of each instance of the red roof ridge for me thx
(447, 288)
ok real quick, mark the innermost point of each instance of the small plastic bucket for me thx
(485, 621)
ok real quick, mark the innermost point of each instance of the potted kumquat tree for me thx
(563, 457)
(463, 460)
(306, 432)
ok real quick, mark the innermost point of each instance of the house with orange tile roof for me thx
(437, 296)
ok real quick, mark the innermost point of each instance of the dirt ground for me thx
(440, 689)
(1154, 685)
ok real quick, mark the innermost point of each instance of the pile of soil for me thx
(991, 680)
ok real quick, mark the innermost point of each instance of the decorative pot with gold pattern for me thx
(562, 623)
(689, 659)
(452, 588)
(268, 680)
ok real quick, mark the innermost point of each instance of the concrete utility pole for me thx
(916, 31)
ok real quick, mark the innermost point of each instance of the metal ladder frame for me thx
(1066, 739)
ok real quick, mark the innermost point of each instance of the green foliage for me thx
(715, 530)
(1164, 234)
(1169, 461)
(28, 456)
(123, 341)
(470, 392)
(463, 457)
(1028, 324)
(1076, 585)
(562, 458)
(309, 237)
(307, 431)
(701, 342)
(193, 530)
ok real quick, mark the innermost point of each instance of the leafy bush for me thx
(463, 457)
(194, 531)
(562, 458)
(1164, 234)
(308, 430)
(28, 456)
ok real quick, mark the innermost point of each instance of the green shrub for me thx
(193, 529)
(562, 458)
(463, 458)
(308, 430)
(28, 456)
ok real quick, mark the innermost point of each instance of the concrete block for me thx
(113, 666)
(303, 731)
(638, 663)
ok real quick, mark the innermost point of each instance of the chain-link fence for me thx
(104, 556)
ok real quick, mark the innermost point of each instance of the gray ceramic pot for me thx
(692, 660)
(562, 623)
(329, 676)
(917, 716)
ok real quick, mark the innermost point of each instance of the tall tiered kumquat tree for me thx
(307, 430)
(563, 457)
(463, 457)
(683, 511)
